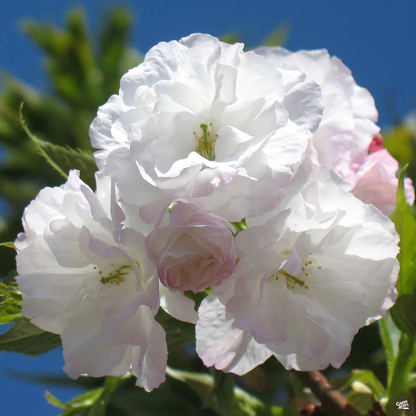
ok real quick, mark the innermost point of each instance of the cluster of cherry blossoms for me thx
(258, 177)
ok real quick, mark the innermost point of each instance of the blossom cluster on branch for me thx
(258, 177)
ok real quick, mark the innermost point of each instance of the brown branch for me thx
(334, 403)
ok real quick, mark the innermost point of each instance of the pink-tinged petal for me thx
(221, 345)
(178, 305)
(376, 144)
(150, 357)
(375, 182)
(86, 277)
(334, 355)
(347, 127)
(196, 250)
(324, 266)
(83, 350)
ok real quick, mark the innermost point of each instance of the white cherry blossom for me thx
(86, 277)
(202, 121)
(347, 132)
(308, 278)
(348, 121)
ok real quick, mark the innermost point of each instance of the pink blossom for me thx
(376, 144)
(375, 182)
(196, 250)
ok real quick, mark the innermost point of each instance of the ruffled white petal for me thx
(221, 345)
(248, 143)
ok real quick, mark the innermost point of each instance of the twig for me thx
(334, 403)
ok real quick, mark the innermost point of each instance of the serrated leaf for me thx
(405, 224)
(63, 159)
(404, 313)
(27, 338)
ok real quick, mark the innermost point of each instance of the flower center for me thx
(206, 141)
(293, 281)
(115, 277)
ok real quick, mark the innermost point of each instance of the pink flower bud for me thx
(195, 251)
(375, 182)
(376, 144)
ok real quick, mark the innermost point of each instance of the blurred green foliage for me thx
(400, 141)
(83, 72)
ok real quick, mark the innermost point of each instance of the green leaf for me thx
(361, 401)
(278, 37)
(63, 159)
(403, 366)
(92, 402)
(110, 385)
(9, 311)
(368, 378)
(98, 409)
(244, 404)
(54, 401)
(10, 291)
(86, 399)
(411, 382)
(390, 336)
(10, 303)
(365, 377)
(405, 223)
(240, 226)
(79, 405)
(404, 313)
(27, 338)
(398, 141)
(10, 245)
(223, 392)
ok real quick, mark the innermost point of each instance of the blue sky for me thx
(374, 38)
